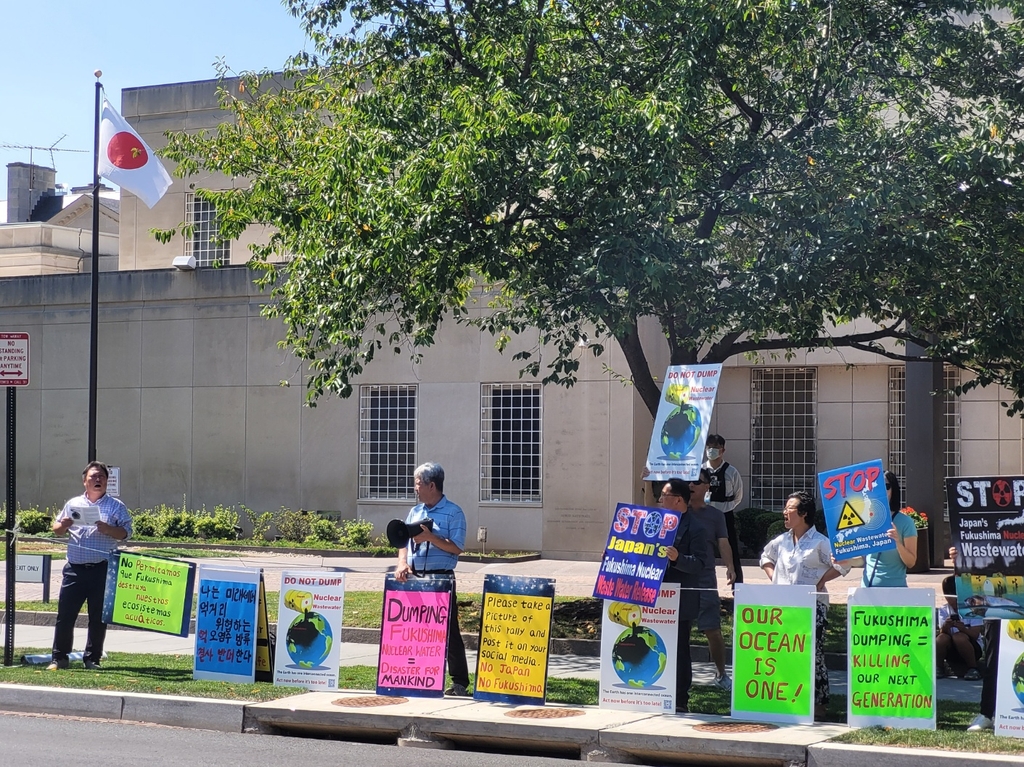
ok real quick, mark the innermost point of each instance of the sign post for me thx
(13, 373)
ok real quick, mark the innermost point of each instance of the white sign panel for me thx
(682, 425)
(30, 568)
(309, 617)
(1009, 719)
(13, 359)
(638, 654)
(114, 481)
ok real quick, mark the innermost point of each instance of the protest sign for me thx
(264, 645)
(1009, 718)
(638, 654)
(150, 593)
(986, 520)
(636, 555)
(414, 635)
(226, 624)
(515, 630)
(891, 670)
(309, 617)
(682, 423)
(856, 509)
(773, 653)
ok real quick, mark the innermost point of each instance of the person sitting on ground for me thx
(959, 637)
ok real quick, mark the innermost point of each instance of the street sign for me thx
(13, 359)
(114, 481)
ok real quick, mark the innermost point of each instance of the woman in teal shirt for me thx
(889, 568)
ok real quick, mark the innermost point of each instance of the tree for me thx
(755, 175)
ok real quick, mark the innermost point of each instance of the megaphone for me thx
(399, 533)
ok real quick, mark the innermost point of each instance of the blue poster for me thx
(856, 509)
(226, 625)
(636, 555)
(681, 425)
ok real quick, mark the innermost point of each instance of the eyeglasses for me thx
(670, 495)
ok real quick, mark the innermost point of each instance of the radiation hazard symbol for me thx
(849, 517)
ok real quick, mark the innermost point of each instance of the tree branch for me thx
(633, 351)
(754, 118)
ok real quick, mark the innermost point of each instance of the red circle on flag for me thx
(126, 151)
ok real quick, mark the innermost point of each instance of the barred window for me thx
(203, 244)
(510, 442)
(783, 449)
(898, 423)
(387, 442)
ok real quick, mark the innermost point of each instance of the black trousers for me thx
(734, 544)
(684, 666)
(81, 584)
(458, 667)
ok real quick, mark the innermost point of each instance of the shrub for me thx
(144, 523)
(175, 523)
(34, 522)
(220, 524)
(749, 531)
(260, 523)
(775, 529)
(323, 531)
(294, 525)
(356, 534)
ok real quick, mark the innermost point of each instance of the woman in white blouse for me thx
(802, 556)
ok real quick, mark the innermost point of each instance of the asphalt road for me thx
(32, 740)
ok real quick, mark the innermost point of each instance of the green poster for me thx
(149, 593)
(773, 661)
(892, 664)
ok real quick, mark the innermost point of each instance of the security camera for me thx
(185, 263)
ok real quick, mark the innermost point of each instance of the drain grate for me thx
(734, 727)
(369, 701)
(545, 713)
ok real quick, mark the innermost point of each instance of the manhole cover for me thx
(734, 727)
(369, 701)
(545, 713)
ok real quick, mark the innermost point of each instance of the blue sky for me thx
(51, 49)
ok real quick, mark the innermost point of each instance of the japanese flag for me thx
(126, 160)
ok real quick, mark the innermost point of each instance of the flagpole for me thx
(95, 298)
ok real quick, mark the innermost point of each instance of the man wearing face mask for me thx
(726, 493)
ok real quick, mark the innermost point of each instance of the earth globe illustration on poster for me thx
(639, 657)
(309, 640)
(1017, 678)
(681, 431)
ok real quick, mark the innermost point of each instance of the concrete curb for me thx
(847, 755)
(173, 711)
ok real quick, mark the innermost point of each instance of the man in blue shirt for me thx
(435, 551)
(85, 573)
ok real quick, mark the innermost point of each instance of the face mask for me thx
(713, 453)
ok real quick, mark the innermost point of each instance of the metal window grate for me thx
(898, 422)
(201, 215)
(510, 442)
(783, 446)
(387, 441)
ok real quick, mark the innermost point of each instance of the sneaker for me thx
(981, 722)
(723, 682)
(972, 675)
(458, 691)
(944, 671)
(682, 710)
(92, 665)
(57, 665)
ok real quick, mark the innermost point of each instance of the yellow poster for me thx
(515, 632)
